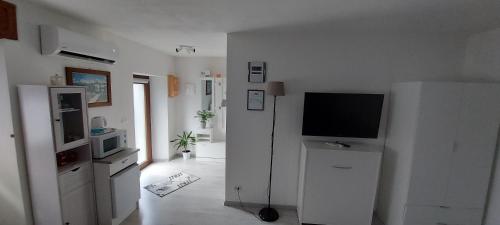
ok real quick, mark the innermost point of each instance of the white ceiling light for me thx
(187, 48)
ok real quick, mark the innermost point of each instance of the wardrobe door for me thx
(436, 129)
(475, 146)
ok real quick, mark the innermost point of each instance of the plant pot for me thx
(203, 124)
(186, 155)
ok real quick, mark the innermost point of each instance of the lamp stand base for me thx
(269, 214)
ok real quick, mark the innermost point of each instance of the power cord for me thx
(244, 208)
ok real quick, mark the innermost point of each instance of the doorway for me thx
(142, 119)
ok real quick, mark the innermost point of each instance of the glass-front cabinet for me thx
(69, 115)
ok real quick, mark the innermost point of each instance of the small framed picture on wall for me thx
(256, 72)
(255, 100)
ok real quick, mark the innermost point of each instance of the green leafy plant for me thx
(204, 115)
(184, 141)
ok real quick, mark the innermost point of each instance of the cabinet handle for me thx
(343, 167)
(124, 161)
(439, 223)
(12, 136)
(57, 120)
(75, 169)
(444, 207)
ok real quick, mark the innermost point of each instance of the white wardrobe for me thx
(440, 149)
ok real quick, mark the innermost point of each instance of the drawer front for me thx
(340, 187)
(430, 215)
(75, 178)
(122, 164)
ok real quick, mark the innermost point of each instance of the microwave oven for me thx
(108, 143)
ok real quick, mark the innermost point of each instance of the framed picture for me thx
(257, 72)
(208, 87)
(98, 84)
(255, 100)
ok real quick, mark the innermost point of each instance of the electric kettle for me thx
(98, 124)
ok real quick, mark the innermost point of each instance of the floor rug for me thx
(174, 183)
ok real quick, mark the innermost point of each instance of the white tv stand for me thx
(338, 184)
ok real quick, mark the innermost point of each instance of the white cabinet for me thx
(125, 190)
(440, 147)
(338, 185)
(117, 185)
(58, 157)
(78, 206)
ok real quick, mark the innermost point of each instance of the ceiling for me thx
(165, 24)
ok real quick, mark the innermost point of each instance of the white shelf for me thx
(204, 135)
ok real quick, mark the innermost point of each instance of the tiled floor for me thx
(200, 203)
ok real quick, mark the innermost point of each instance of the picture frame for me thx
(255, 100)
(257, 72)
(97, 83)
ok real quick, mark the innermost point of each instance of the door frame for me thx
(147, 100)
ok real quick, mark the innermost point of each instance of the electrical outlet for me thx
(237, 188)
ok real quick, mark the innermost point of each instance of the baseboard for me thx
(258, 205)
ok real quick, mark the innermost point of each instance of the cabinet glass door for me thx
(69, 112)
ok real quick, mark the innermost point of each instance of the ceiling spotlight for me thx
(187, 48)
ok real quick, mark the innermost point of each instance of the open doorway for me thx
(211, 136)
(178, 190)
(142, 119)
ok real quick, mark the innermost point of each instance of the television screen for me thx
(342, 114)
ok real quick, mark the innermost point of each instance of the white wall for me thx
(187, 104)
(161, 108)
(25, 65)
(314, 61)
(482, 63)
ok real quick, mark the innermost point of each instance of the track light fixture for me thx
(187, 48)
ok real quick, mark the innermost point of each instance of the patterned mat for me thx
(174, 183)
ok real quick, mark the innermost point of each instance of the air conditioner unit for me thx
(59, 41)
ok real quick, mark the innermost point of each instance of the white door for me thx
(69, 114)
(78, 206)
(11, 198)
(475, 146)
(436, 129)
(340, 187)
(125, 190)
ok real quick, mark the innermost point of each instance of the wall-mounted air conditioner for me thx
(59, 41)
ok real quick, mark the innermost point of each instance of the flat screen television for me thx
(342, 115)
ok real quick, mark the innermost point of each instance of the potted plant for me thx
(183, 142)
(204, 116)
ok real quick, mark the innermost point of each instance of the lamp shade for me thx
(276, 88)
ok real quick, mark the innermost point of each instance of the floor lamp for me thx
(268, 214)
